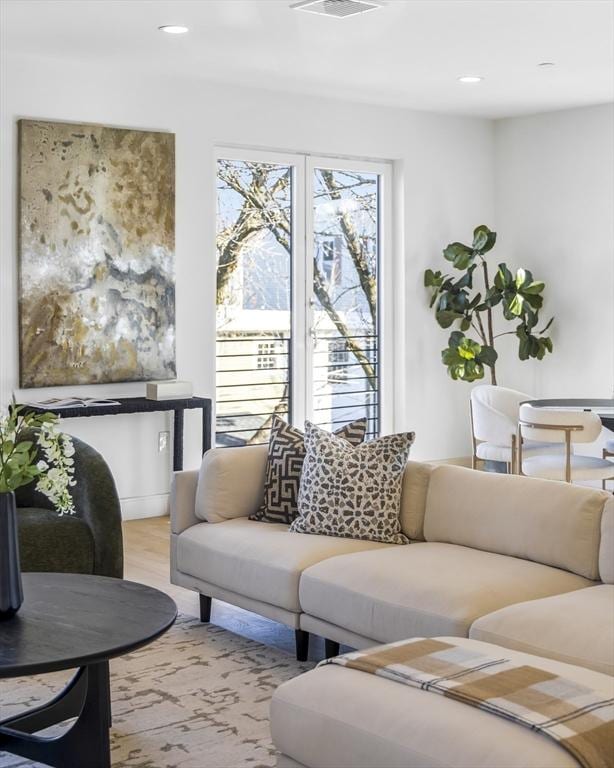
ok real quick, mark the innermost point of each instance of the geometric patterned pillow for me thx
(284, 467)
(353, 492)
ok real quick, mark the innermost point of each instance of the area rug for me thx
(198, 697)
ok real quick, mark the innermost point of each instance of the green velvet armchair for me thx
(90, 541)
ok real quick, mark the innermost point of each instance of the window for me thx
(267, 354)
(338, 360)
(345, 221)
(299, 256)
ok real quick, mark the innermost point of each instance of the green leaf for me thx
(535, 287)
(466, 281)
(463, 260)
(503, 278)
(459, 254)
(452, 250)
(515, 305)
(488, 356)
(456, 338)
(432, 279)
(468, 349)
(534, 300)
(462, 358)
(480, 237)
(493, 297)
(520, 277)
(483, 239)
(445, 317)
(531, 345)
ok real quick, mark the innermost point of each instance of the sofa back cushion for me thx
(230, 482)
(549, 522)
(606, 549)
(413, 499)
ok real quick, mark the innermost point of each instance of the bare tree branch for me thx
(319, 287)
(363, 270)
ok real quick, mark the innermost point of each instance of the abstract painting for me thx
(96, 250)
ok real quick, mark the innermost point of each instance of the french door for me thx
(303, 285)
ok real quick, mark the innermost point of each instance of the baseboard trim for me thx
(138, 507)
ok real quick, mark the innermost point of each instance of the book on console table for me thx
(70, 402)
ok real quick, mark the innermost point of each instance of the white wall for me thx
(444, 185)
(555, 215)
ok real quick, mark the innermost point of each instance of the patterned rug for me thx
(199, 696)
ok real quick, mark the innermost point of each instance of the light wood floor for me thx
(146, 560)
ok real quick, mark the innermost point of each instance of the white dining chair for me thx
(566, 427)
(494, 427)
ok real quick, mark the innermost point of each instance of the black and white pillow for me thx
(353, 492)
(284, 467)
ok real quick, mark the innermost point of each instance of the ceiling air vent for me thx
(340, 9)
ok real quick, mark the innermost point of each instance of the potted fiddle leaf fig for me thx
(31, 449)
(458, 301)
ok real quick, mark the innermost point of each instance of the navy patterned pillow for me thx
(285, 465)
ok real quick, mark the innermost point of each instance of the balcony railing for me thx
(248, 396)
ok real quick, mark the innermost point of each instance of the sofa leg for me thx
(331, 648)
(302, 644)
(205, 608)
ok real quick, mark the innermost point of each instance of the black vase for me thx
(11, 591)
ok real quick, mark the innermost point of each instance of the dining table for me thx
(603, 407)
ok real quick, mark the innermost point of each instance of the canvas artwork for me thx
(96, 248)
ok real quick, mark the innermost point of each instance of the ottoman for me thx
(336, 717)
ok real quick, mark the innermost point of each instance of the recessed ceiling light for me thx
(173, 29)
(546, 64)
(470, 79)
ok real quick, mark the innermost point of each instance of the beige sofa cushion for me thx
(262, 561)
(413, 499)
(606, 548)
(423, 589)
(336, 716)
(549, 522)
(577, 627)
(231, 482)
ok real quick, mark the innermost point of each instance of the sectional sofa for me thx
(512, 561)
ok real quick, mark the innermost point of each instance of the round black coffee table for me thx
(72, 621)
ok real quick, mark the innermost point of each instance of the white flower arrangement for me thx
(18, 457)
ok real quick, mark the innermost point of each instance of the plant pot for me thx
(11, 591)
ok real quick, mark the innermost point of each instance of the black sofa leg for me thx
(302, 644)
(331, 648)
(205, 609)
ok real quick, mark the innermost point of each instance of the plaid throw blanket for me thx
(580, 719)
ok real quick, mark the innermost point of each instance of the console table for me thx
(143, 405)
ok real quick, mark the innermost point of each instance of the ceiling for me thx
(410, 53)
